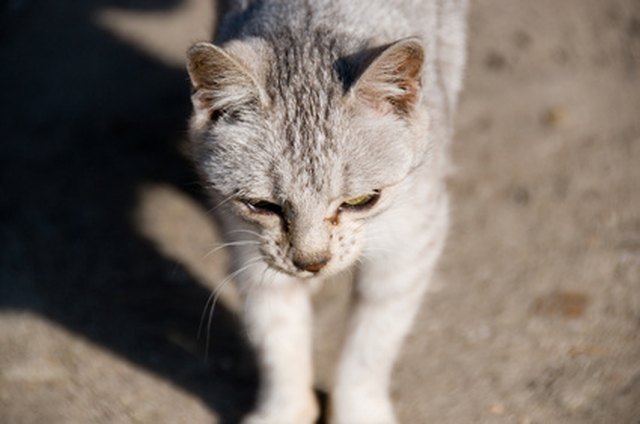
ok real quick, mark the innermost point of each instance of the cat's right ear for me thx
(220, 82)
(390, 77)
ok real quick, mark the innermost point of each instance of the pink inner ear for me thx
(409, 83)
(392, 82)
(380, 105)
(400, 98)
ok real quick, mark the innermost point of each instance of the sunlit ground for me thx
(107, 259)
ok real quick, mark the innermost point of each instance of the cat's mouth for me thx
(294, 271)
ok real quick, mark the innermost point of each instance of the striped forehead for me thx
(305, 89)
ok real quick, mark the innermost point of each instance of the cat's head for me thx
(308, 146)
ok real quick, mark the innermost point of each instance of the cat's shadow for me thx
(86, 119)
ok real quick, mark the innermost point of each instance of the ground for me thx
(534, 314)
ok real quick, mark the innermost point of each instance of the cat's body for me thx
(322, 127)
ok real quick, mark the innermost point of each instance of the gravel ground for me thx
(533, 316)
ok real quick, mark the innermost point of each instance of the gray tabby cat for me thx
(322, 127)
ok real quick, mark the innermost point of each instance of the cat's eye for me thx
(262, 207)
(361, 202)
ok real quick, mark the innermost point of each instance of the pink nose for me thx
(314, 266)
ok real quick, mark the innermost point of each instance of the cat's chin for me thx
(304, 275)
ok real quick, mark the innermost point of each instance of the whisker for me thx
(249, 295)
(264, 272)
(273, 279)
(229, 244)
(244, 231)
(213, 300)
(220, 204)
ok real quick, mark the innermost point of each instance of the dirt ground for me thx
(533, 317)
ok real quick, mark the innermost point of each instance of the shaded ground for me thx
(533, 318)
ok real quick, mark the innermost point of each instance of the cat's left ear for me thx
(221, 82)
(391, 80)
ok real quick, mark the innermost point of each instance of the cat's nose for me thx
(314, 265)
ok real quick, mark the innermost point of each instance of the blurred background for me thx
(534, 314)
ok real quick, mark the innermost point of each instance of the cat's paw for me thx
(355, 408)
(362, 416)
(280, 418)
(284, 414)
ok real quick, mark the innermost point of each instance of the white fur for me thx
(306, 149)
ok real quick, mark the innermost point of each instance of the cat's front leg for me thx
(391, 285)
(377, 329)
(277, 315)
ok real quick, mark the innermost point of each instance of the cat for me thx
(321, 128)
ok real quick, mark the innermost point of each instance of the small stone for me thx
(495, 61)
(554, 117)
(497, 409)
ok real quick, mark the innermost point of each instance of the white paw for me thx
(281, 413)
(357, 408)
